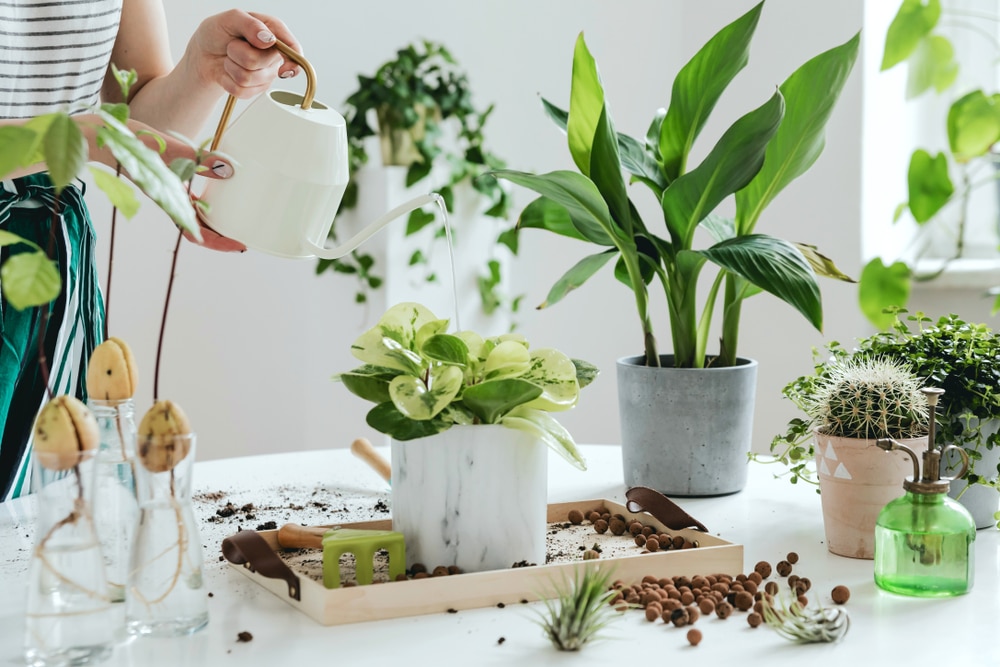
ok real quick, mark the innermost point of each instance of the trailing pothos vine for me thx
(416, 97)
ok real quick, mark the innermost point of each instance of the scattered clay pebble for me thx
(706, 605)
(440, 571)
(763, 568)
(575, 517)
(803, 601)
(784, 568)
(792, 557)
(454, 569)
(771, 588)
(500, 605)
(420, 575)
(723, 610)
(635, 528)
(601, 526)
(244, 637)
(743, 601)
(418, 568)
(452, 610)
(840, 594)
(652, 613)
(652, 544)
(501, 641)
(594, 516)
(694, 636)
(617, 526)
(211, 594)
(754, 619)
(640, 540)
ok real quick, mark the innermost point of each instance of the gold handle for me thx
(307, 98)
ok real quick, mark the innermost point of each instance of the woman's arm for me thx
(229, 53)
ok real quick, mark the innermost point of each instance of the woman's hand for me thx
(233, 50)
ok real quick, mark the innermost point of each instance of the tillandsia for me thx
(578, 610)
(424, 380)
(806, 625)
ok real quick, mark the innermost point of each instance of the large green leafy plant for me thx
(424, 380)
(972, 126)
(755, 159)
(30, 277)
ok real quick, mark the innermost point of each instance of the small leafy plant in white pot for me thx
(469, 421)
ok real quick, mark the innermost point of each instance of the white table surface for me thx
(770, 518)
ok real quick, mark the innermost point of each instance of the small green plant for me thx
(415, 98)
(972, 124)
(578, 610)
(805, 625)
(424, 380)
(752, 161)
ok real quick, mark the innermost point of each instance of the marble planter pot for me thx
(686, 431)
(856, 480)
(982, 501)
(472, 496)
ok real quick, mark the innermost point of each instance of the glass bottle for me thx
(166, 592)
(68, 619)
(116, 507)
(924, 540)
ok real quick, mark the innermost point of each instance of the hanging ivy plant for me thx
(414, 98)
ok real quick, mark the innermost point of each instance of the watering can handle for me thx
(307, 97)
(374, 226)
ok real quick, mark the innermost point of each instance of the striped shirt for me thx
(54, 54)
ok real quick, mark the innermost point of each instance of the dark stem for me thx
(163, 322)
(111, 259)
(43, 361)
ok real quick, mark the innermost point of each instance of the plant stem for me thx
(43, 321)
(111, 259)
(163, 321)
(642, 305)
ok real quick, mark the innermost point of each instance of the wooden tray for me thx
(486, 589)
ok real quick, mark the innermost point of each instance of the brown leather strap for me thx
(248, 548)
(643, 499)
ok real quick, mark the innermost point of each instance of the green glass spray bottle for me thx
(924, 540)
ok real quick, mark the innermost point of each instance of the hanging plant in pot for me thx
(469, 421)
(690, 435)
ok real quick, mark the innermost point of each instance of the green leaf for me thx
(508, 359)
(147, 170)
(10, 238)
(418, 219)
(446, 349)
(699, 85)
(385, 418)
(775, 266)
(586, 106)
(65, 151)
(543, 213)
(510, 238)
(119, 193)
(821, 264)
(586, 372)
(555, 374)
(558, 116)
(577, 194)
(185, 168)
(731, 164)
(548, 430)
(912, 23)
(973, 125)
(882, 287)
(416, 400)
(720, 227)
(493, 399)
(119, 111)
(30, 279)
(577, 276)
(17, 148)
(929, 185)
(933, 65)
(427, 331)
(810, 94)
(368, 382)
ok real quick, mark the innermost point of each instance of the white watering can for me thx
(290, 172)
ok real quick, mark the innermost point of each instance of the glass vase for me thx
(166, 592)
(116, 507)
(68, 619)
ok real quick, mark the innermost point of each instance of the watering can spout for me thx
(374, 226)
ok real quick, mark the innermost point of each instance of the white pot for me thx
(472, 496)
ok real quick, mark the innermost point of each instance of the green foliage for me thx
(577, 611)
(973, 129)
(752, 161)
(423, 380)
(419, 94)
(959, 357)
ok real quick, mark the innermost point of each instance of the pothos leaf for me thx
(118, 191)
(30, 279)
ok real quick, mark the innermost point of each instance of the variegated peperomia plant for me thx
(423, 380)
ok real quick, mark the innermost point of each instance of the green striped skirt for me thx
(76, 318)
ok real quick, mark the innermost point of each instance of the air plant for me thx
(579, 609)
(806, 625)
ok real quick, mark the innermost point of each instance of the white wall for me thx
(252, 340)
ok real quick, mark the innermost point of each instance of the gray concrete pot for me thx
(686, 431)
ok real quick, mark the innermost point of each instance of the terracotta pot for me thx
(856, 480)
